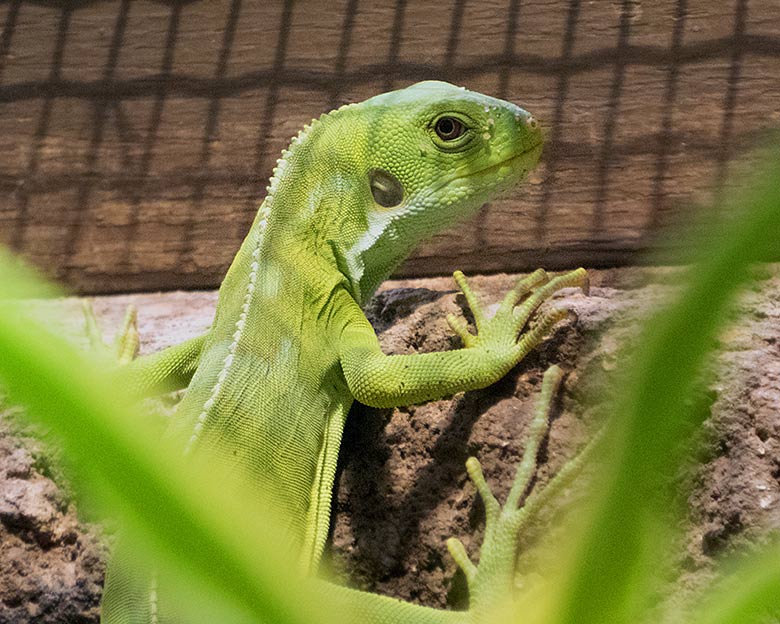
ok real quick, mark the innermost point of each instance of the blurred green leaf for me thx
(20, 281)
(180, 514)
(750, 591)
(621, 549)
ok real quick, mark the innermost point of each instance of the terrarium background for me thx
(136, 138)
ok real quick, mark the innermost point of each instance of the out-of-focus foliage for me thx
(225, 569)
(619, 554)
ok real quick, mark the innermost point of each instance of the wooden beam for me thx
(136, 138)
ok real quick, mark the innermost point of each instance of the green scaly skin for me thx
(272, 381)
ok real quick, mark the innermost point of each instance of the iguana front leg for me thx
(380, 380)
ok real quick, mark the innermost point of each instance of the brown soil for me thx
(403, 489)
(51, 568)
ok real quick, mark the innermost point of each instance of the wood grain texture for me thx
(136, 138)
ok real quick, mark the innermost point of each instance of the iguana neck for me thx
(319, 209)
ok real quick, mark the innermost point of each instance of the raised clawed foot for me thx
(492, 580)
(502, 335)
(126, 341)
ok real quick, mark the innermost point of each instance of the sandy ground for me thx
(402, 488)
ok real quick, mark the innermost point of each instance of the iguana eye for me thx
(449, 128)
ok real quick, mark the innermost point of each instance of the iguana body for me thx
(290, 348)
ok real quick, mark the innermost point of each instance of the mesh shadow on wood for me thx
(140, 135)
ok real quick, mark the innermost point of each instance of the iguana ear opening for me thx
(385, 188)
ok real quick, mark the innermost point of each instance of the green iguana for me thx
(290, 349)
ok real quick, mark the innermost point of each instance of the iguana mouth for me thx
(502, 163)
(486, 170)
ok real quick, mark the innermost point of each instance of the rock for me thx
(52, 566)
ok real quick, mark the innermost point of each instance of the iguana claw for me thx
(503, 333)
(126, 341)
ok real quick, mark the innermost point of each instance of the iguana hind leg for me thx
(492, 580)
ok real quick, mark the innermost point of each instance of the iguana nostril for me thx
(531, 122)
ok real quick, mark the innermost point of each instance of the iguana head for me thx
(441, 151)
(408, 163)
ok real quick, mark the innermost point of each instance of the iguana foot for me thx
(126, 341)
(491, 581)
(502, 335)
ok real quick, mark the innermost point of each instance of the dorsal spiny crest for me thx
(295, 142)
(281, 162)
